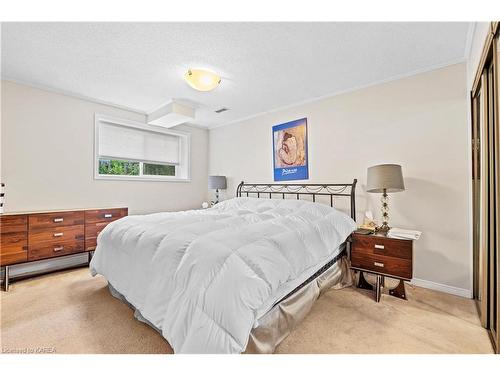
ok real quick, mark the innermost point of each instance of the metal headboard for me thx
(270, 190)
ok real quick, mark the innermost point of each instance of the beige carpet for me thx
(71, 312)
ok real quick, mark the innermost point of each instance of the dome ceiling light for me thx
(202, 79)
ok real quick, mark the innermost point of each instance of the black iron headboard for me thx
(270, 190)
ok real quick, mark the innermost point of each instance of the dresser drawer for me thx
(90, 243)
(13, 248)
(13, 257)
(55, 234)
(13, 223)
(93, 229)
(54, 249)
(104, 216)
(390, 266)
(91, 232)
(13, 242)
(56, 219)
(382, 246)
(13, 239)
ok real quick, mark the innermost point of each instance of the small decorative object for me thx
(368, 222)
(217, 182)
(385, 178)
(204, 205)
(2, 196)
(290, 151)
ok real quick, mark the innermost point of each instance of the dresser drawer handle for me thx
(58, 248)
(378, 264)
(107, 216)
(60, 234)
(58, 220)
(381, 247)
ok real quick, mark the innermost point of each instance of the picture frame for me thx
(290, 151)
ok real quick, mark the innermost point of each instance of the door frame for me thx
(489, 222)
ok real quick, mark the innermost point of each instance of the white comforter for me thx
(201, 276)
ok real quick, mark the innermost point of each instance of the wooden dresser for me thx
(31, 236)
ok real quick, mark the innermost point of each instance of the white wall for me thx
(47, 158)
(481, 30)
(419, 122)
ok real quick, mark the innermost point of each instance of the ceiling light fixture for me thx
(202, 80)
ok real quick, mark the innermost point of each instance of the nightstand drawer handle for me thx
(58, 248)
(60, 234)
(107, 216)
(58, 220)
(378, 264)
(381, 247)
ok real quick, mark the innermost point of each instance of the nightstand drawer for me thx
(376, 245)
(396, 267)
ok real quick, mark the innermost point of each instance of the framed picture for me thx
(290, 151)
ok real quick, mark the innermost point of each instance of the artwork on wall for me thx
(290, 151)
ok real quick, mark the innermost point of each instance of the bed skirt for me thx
(275, 325)
(279, 322)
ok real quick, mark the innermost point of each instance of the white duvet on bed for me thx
(202, 276)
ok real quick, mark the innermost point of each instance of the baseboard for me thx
(466, 293)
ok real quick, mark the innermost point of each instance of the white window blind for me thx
(122, 142)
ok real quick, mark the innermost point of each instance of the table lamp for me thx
(385, 178)
(217, 182)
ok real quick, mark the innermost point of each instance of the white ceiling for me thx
(263, 66)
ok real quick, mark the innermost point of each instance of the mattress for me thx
(205, 277)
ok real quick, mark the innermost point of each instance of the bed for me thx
(237, 277)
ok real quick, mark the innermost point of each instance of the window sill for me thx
(142, 178)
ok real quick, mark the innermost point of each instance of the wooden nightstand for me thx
(382, 256)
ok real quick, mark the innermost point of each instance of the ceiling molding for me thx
(360, 87)
(91, 100)
(74, 95)
(468, 42)
(202, 127)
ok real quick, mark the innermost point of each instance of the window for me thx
(118, 167)
(135, 151)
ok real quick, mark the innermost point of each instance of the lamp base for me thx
(383, 229)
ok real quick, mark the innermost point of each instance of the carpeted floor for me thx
(71, 312)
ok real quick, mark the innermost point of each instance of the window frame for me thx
(183, 170)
